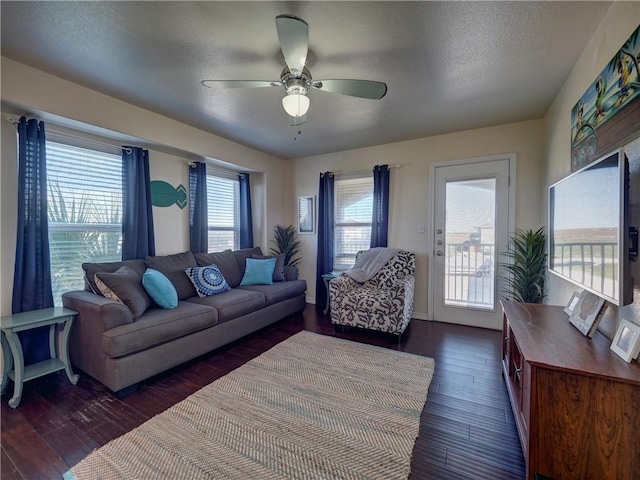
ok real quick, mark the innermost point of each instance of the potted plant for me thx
(526, 267)
(286, 241)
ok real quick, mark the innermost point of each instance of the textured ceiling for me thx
(449, 66)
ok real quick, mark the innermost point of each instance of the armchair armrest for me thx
(341, 285)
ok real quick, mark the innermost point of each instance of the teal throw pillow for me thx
(207, 280)
(160, 288)
(258, 272)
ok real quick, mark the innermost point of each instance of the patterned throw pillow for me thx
(207, 280)
(124, 286)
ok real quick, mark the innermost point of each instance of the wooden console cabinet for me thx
(576, 403)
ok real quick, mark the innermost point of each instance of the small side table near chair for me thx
(327, 277)
(59, 321)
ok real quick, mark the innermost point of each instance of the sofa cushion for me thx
(157, 326)
(160, 288)
(242, 255)
(90, 270)
(279, 291)
(226, 263)
(258, 272)
(124, 286)
(173, 267)
(278, 270)
(207, 280)
(233, 303)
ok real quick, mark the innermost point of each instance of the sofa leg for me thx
(120, 394)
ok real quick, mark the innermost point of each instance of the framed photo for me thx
(306, 215)
(571, 305)
(626, 343)
(587, 313)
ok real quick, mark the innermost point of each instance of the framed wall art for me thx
(626, 343)
(306, 215)
(607, 115)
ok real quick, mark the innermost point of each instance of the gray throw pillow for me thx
(124, 286)
(278, 271)
(90, 270)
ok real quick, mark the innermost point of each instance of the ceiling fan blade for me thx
(241, 83)
(354, 88)
(293, 33)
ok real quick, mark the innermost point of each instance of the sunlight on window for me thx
(223, 212)
(84, 203)
(353, 212)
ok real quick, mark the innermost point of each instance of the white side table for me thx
(60, 321)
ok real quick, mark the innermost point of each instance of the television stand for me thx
(576, 404)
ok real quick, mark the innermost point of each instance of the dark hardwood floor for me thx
(467, 429)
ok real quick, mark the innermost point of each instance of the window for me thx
(353, 211)
(84, 202)
(223, 209)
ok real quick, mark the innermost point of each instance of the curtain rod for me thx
(364, 172)
(71, 136)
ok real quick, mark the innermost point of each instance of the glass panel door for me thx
(470, 239)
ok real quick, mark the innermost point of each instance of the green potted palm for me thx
(526, 266)
(286, 241)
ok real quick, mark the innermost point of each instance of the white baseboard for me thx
(419, 316)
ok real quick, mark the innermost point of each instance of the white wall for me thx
(410, 200)
(170, 224)
(622, 19)
(26, 90)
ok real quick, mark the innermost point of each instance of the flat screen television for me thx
(589, 229)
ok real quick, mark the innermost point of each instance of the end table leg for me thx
(64, 352)
(7, 362)
(18, 360)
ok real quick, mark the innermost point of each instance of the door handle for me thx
(439, 242)
(439, 253)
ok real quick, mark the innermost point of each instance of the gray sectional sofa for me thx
(110, 344)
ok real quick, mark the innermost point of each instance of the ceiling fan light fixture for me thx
(296, 104)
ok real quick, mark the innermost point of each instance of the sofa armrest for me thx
(103, 313)
(290, 273)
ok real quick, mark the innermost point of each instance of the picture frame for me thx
(626, 342)
(587, 313)
(307, 215)
(571, 304)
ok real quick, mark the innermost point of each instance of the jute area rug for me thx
(312, 407)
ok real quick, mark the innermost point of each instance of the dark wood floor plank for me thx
(31, 455)
(8, 470)
(466, 430)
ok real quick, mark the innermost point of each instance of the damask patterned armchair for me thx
(384, 302)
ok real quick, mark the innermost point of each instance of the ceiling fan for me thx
(293, 34)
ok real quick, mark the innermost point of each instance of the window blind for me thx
(353, 210)
(223, 208)
(84, 203)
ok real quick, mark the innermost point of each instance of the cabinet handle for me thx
(517, 376)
